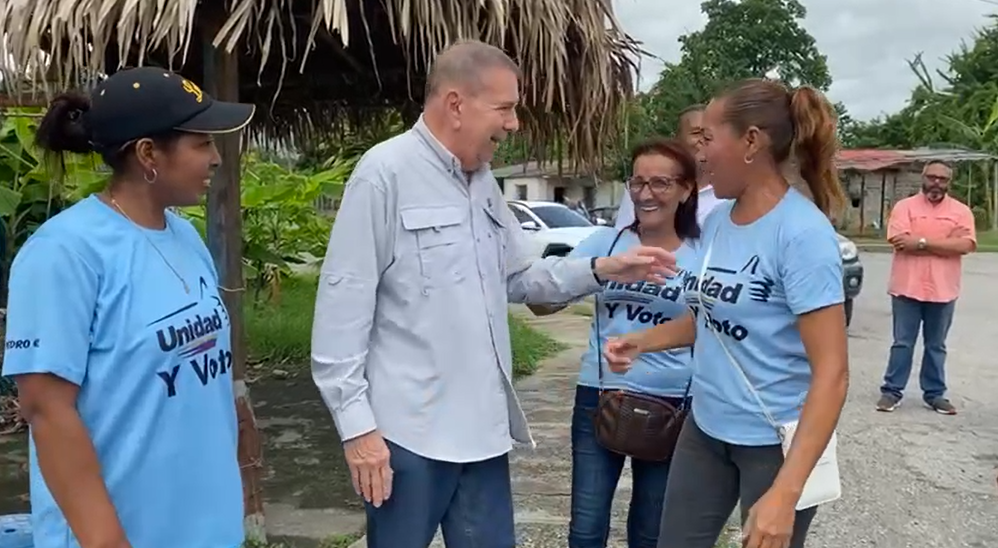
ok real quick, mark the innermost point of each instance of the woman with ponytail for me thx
(126, 382)
(770, 361)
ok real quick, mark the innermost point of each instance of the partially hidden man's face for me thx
(935, 182)
(691, 135)
(487, 115)
(691, 130)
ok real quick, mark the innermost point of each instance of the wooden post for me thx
(883, 200)
(224, 220)
(862, 203)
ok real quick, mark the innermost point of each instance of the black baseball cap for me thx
(146, 101)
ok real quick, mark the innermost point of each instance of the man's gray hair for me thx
(464, 63)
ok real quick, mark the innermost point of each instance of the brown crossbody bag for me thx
(636, 425)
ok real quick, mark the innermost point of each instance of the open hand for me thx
(643, 263)
(369, 461)
(770, 522)
(620, 354)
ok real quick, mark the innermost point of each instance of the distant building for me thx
(874, 180)
(535, 182)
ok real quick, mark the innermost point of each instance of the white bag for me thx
(824, 484)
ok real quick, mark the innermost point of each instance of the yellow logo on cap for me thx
(191, 87)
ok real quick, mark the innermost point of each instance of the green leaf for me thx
(993, 117)
(9, 200)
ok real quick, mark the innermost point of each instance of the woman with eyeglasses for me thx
(126, 384)
(663, 189)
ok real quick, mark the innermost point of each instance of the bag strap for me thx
(710, 327)
(596, 313)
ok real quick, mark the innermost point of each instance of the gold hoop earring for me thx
(748, 160)
(151, 180)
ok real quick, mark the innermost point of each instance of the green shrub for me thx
(279, 332)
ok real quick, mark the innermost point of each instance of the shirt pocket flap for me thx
(434, 225)
(494, 217)
(421, 218)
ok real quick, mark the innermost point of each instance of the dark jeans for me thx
(472, 502)
(595, 473)
(708, 478)
(934, 320)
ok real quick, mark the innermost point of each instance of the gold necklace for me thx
(114, 202)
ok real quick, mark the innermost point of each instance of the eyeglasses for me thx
(939, 179)
(658, 185)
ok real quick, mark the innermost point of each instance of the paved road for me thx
(914, 478)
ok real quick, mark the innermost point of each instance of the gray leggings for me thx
(707, 478)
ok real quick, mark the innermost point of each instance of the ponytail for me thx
(64, 128)
(814, 144)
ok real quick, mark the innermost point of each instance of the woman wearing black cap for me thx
(125, 378)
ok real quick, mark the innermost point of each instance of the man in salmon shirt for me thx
(931, 232)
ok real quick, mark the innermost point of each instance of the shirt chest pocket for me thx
(439, 237)
(935, 226)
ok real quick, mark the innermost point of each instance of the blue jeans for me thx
(595, 473)
(934, 319)
(471, 502)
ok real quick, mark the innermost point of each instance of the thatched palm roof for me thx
(311, 64)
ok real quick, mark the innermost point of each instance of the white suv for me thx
(554, 228)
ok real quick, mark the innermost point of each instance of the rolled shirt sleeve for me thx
(359, 250)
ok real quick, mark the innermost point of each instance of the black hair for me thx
(64, 129)
(686, 224)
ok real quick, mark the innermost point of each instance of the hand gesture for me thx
(620, 354)
(643, 263)
(770, 522)
(368, 459)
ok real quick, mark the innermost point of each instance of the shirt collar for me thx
(447, 159)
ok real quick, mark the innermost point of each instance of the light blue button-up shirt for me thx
(410, 334)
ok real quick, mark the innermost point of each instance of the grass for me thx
(278, 335)
(987, 240)
(530, 347)
(339, 541)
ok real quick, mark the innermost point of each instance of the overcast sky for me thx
(866, 41)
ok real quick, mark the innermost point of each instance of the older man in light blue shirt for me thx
(410, 343)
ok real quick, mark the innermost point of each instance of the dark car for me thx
(852, 273)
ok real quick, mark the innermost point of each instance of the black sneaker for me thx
(941, 405)
(888, 403)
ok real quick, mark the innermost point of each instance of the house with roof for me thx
(550, 182)
(874, 180)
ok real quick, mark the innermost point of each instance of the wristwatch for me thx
(921, 244)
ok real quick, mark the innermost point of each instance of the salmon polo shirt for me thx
(927, 277)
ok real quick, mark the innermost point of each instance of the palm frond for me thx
(310, 66)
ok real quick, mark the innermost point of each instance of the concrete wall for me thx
(606, 193)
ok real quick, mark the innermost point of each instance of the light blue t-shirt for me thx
(759, 278)
(625, 308)
(94, 303)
